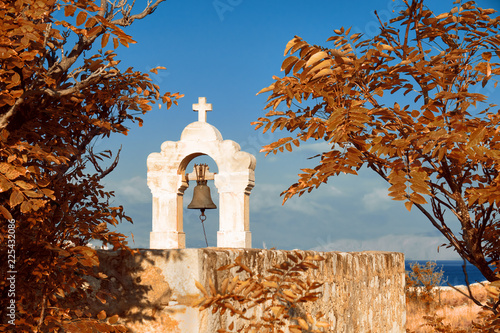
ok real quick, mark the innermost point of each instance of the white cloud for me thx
(334, 191)
(267, 197)
(317, 147)
(133, 190)
(309, 207)
(415, 247)
(376, 200)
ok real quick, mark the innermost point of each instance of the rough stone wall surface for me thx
(153, 291)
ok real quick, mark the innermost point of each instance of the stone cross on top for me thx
(202, 107)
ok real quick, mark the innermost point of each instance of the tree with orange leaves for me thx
(408, 104)
(56, 99)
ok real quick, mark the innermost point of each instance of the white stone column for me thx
(234, 209)
(167, 190)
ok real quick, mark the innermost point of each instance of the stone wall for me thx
(153, 290)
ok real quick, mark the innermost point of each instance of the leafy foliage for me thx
(278, 293)
(489, 317)
(422, 282)
(437, 146)
(422, 287)
(56, 99)
(437, 325)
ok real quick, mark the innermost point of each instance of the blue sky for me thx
(226, 51)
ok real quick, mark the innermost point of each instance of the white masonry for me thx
(167, 179)
(202, 107)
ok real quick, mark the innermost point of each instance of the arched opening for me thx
(193, 228)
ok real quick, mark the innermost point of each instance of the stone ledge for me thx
(362, 291)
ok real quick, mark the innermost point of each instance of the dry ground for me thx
(457, 310)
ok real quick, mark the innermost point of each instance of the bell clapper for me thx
(203, 217)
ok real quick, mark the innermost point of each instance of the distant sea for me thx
(452, 271)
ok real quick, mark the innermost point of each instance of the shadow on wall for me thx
(132, 287)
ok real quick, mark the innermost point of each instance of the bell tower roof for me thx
(200, 131)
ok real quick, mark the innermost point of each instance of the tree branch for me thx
(104, 173)
(127, 19)
(469, 295)
(95, 77)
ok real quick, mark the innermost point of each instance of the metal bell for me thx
(201, 195)
(201, 198)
